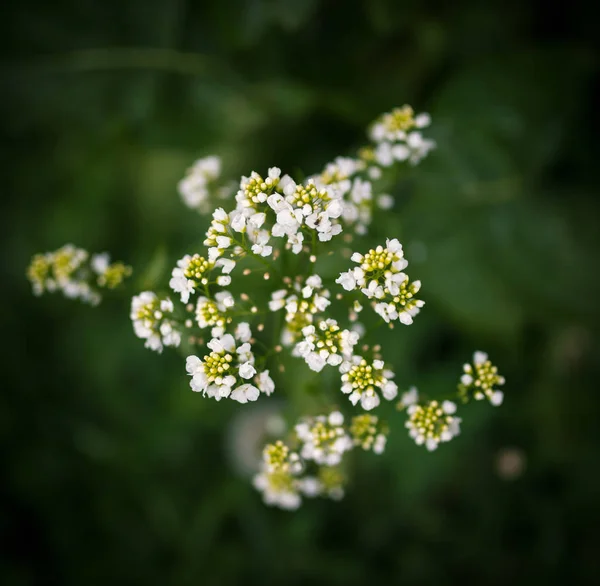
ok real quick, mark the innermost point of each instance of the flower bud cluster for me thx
(306, 299)
(316, 469)
(432, 422)
(479, 380)
(379, 277)
(368, 432)
(325, 343)
(75, 273)
(364, 381)
(153, 321)
(324, 439)
(213, 313)
(278, 481)
(221, 373)
(398, 137)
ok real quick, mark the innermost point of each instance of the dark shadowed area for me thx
(114, 472)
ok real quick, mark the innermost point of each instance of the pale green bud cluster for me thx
(433, 422)
(479, 380)
(72, 271)
(368, 432)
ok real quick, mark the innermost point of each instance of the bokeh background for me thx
(114, 472)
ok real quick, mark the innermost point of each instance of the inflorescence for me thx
(75, 273)
(256, 298)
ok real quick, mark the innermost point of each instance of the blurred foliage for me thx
(114, 471)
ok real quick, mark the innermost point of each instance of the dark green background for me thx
(114, 472)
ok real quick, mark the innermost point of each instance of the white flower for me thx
(315, 361)
(422, 120)
(243, 332)
(225, 299)
(369, 400)
(247, 370)
(277, 299)
(385, 201)
(238, 222)
(384, 155)
(347, 280)
(260, 247)
(265, 383)
(166, 305)
(257, 220)
(335, 418)
(185, 287)
(410, 397)
(100, 262)
(194, 187)
(245, 393)
(497, 398)
(227, 264)
(379, 444)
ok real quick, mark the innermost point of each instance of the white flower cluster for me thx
(398, 137)
(369, 433)
(307, 299)
(72, 271)
(361, 381)
(152, 321)
(219, 373)
(287, 227)
(199, 184)
(194, 271)
(479, 380)
(346, 177)
(324, 439)
(273, 207)
(325, 343)
(278, 480)
(213, 313)
(315, 470)
(379, 276)
(432, 422)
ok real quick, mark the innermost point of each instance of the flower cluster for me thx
(432, 422)
(324, 439)
(213, 313)
(325, 343)
(307, 299)
(398, 137)
(153, 321)
(74, 272)
(278, 239)
(479, 380)
(368, 432)
(200, 182)
(349, 180)
(361, 381)
(315, 469)
(379, 277)
(278, 481)
(219, 373)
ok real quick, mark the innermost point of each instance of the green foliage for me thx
(114, 471)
